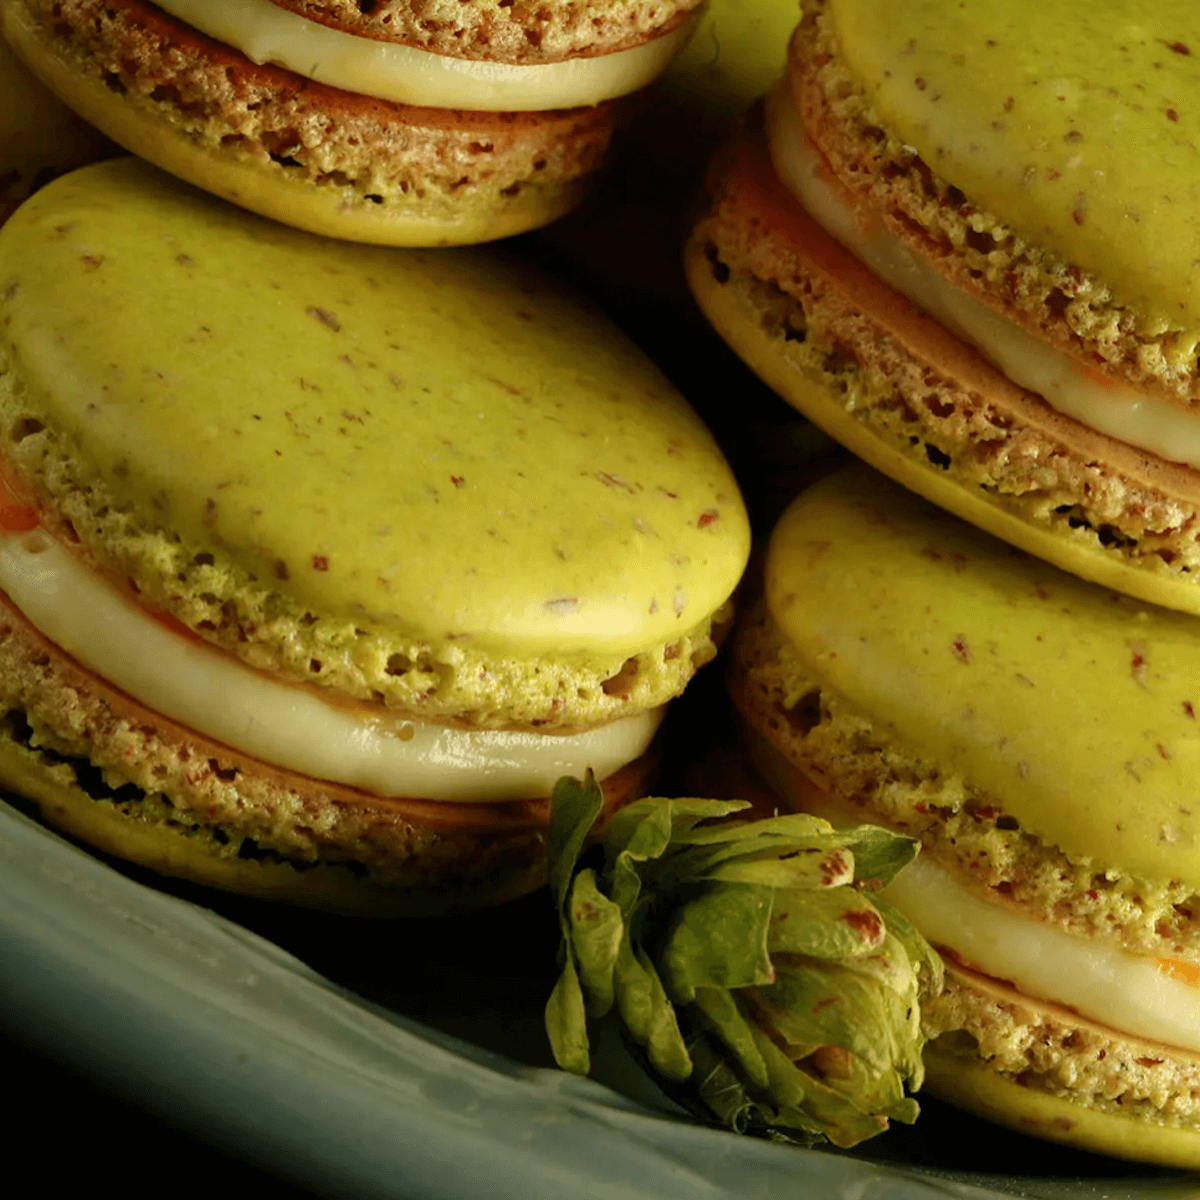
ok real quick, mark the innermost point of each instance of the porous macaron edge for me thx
(1043, 1108)
(302, 153)
(922, 407)
(130, 782)
(446, 681)
(1030, 1065)
(830, 745)
(525, 32)
(975, 249)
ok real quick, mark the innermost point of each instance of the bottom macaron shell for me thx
(972, 1086)
(365, 170)
(1124, 1096)
(213, 855)
(834, 342)
(132, 783)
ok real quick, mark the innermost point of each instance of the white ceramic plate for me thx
(218, 1030)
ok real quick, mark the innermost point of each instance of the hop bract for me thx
(747, 958)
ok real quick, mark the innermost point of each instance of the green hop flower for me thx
(748, 960)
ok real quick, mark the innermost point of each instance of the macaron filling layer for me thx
(1141, 995)
(265, 33)
(286, 725)
(1099, 403)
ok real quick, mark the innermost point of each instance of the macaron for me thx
(1038, 734)
(40, 137)
(397, 122)
(965, 242)
(321, 562)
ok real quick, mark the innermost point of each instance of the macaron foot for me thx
(108, 771)
(1029, 1104)
(903, 669)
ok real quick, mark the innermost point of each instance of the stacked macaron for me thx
(322, 562)
(405, 122)
(964, 243)
(1039, 735)
(933, 240)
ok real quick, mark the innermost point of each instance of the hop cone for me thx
(746, 958)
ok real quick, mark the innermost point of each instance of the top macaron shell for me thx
(1069, 135)
(964, 245)
(1039, 734)
(439, 456)
(510, 31)
(1071, 707)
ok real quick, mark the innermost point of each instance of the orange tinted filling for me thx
(15, 516)
(168, 622)
(1185, 972)
(1098, 377)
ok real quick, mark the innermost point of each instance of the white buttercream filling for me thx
(1109, 407)
(1123, 991)
(1134, 994)
(291, 726)
(265, 33)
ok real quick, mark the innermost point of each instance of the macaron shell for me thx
(151, 128)
(1047, 143)
(737, 53)
(482, 866)
(1022, 507)
(999, 1098)
(1074, 708)
(331, 418)
(127, 780)
(462, 868)
(177, 853)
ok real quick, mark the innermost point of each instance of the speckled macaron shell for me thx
(1044, 1069)
(511, 31)
(308, 155)
(903, 394)
(1073, 707)
(1004, 1100)
(1079, 162)
(442, 453)
(39, 136)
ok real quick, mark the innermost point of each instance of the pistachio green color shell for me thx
(1074, 707)
(440, 444)
(1078, 125)
(1000, 1098)
(737, 54)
